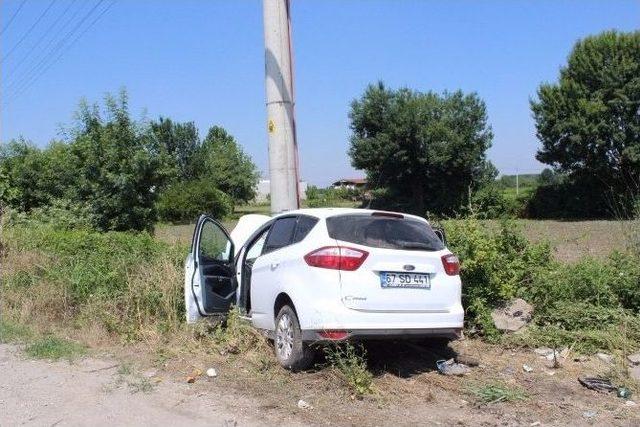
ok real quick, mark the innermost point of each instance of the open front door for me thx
(213, 284)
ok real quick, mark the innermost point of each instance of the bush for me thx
(591, 304)
(60, 214)
(184, 201)
(495, 264)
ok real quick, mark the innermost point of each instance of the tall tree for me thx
(589, 121)
(179, 142)
(119, 170)
(426, 149)
(227, 166)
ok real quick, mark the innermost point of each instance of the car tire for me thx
(291, 352)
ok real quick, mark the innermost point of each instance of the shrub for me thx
(495, 264)
(184, 201)
(61, 214)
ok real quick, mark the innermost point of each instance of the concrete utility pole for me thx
(283, 148)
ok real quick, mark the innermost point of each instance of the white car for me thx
(324, 275)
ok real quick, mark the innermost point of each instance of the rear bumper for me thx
(381, 325)
(383, 334)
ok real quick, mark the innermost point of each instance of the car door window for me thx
(303, 227)
(214, 243)
(280, 235)
(256, 247)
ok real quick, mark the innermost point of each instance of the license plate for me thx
(390, 279)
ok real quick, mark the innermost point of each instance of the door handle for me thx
(274, 265)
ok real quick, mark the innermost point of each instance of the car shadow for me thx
(406, 358)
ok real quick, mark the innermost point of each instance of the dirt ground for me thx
(127, 387)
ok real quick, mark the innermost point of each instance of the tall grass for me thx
(121, 283)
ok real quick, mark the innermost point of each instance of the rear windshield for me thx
(384, 232)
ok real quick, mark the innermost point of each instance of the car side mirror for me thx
(440, 233)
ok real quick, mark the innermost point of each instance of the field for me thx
(570, 240)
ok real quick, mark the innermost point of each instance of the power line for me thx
(66, 48)
(36, 69)
(37, 62)
(25, 35)
(42, 37)
(12, 18)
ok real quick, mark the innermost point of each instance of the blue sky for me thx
(202, 61)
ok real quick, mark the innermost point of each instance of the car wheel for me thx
(292, 353)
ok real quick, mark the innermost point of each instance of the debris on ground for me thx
(450, 367)
(581, 358)
(605, 357)
(589, 414)
(513, 316)
(304, 405)
(630, 403)
(527, 368)
(597, 384)
(211, 373)
(623, 392)
(194, 376)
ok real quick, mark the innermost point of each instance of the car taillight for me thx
(334, 335)
(451, 264)
(336, 258)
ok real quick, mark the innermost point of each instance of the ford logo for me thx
(409, 267)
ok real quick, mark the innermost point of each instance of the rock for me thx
(634, 372)
(304, 405)
(513, 316)
(211, 373)
(450, 367)
(634, 358)
(543, 351)
(527, 368)
(606, 358)
(468, 360)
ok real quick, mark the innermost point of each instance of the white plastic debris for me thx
(527, 368)
(211, 373)
(304, 405)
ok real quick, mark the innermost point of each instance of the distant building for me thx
(263, 190)
(350, 183)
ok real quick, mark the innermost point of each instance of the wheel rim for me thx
(284, 337)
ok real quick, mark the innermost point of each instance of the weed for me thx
(496, 392)
(12, 332)
(351, 362)
(236, 335)
(54, 348)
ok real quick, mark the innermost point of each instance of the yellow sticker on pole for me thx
(271, 126)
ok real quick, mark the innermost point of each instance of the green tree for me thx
(180, 143)
(227, 167)
(185, 200)
(119, 171)
(589, 121)
(35, 177)
(425, 149)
